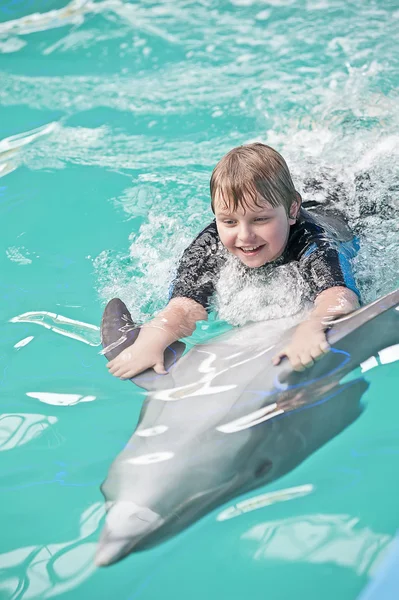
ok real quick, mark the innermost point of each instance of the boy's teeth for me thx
(250, 249)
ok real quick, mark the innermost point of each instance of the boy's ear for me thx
(295, 208)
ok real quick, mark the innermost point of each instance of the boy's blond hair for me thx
(250, 174)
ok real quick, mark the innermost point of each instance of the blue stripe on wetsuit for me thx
(309, 251)
(347, 272)
(346, 251)
(170, 290)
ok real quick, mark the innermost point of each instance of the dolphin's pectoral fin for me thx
(118, 331)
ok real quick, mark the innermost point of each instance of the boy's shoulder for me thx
(203, 250)
(208, 235)
(316, 231)
(306, 231)
(207, 242)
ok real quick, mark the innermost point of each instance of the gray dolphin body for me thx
(224, 421)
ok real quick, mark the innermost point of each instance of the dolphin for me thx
(224, 421)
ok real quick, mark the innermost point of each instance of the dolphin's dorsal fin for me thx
(118, 331)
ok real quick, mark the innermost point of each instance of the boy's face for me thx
(255, 235)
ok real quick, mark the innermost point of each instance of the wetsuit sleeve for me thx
(326, 264)
(197, 269)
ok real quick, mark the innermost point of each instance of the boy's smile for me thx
(255, 235)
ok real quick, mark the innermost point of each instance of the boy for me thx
(259, 225)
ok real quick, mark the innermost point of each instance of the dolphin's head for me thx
(130, 527)
(148, 503)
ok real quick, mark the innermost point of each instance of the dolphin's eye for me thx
(263, 468)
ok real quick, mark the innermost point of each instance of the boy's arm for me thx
(176, 320)
(309, 341)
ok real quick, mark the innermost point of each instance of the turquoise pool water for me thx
(112, 117)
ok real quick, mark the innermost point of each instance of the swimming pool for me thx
(112, 116)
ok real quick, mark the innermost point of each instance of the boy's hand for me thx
(135, 359)
(309, 344)
(177, 320)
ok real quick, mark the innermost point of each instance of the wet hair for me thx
(251, 174)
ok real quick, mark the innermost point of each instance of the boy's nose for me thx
(246, 234)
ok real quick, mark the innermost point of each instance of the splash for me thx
(271, 293)
(153, 254)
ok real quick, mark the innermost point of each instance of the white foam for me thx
(276, 293)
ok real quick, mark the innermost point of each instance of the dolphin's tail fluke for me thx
(118, 331)
(126, 525)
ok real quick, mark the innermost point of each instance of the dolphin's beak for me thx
(126, 525)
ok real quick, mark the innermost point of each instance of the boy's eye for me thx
(262, 219)
(229, 222)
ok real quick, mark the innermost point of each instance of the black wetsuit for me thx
(323, 260)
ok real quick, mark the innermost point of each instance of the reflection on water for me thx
(17, 429)
(389, 355)
(10, 147)
(23, 342)
(71, 14)
(263, 500)
(74, 14)
(385, 356)
(46, 571)
(319, 539)
(18, 254)
(78, 330)
(58, 399)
